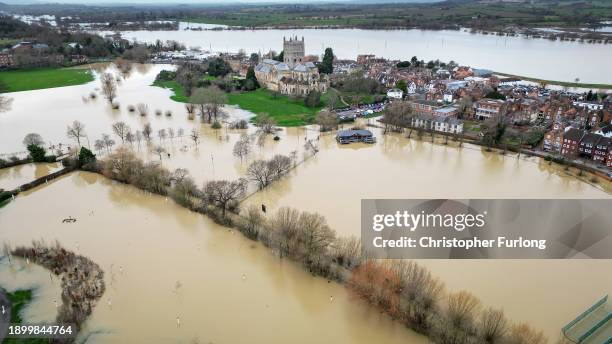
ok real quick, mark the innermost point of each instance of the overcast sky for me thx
(126, 2)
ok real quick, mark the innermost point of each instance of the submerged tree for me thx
(109, 86)
(33, 139)
(242, 147)
(223, 193)
(76, 131)
(121, 129)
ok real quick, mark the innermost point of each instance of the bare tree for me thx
(259, 172)
(138, 137)
(147, 131)
(223, 193)
(266, 123)
(327, 120)
(525, 334)
(121, 129)
(279, 165)
(109, 86)
(242, 148)
(492, 326)
(33, 139)
(190, 108)
(108, 142)
(209, 101)
(159, 150)
(397, 116)
(161, 133)
(76, 131)
(5, 103)
(180, 132)
(171, 134)
(98, 145)
(195, 136)
(143, 109)
(130, 138)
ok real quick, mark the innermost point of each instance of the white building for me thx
(395, 93)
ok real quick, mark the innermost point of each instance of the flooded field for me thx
(15, 176)
(163, 262)
(334, 182)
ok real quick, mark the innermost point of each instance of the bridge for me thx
(593, 326)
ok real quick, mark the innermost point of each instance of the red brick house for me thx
(601, 150)
(571, 141)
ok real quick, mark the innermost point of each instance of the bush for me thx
(241, 124)
(158, 112)
(168, 113)
(37, 153)
(50, 158)
(131, 108)
(4, 195)
(216, 125)
(86, 156)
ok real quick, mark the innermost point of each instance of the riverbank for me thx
(42, 78)
(19, 299)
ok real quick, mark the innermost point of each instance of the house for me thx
(588, 105)
(487, 108)
(427, 107)
(449, 111)
(602, 150)
(360, 135)
(586, 147)
(571, 141)
(437, 123)
(553, 140)
(395, 93)
(412, 87)
(509, 81)
(6, 59)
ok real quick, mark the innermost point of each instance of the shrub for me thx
(86, 156)
(216, 125)
(37, 153)
(168, 113)
(131, 108)
(158, 112)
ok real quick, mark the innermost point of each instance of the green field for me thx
(286, 111)
(20, 299)
(36, 79)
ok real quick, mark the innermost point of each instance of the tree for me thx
(259, 172)
(99, 145)
(218, 67)
(254, 58)
(121, 129)
(5, 103)
(147, 131)
(327, 65)
(86, 156)
(334, 99)
(223, 193)
(109, 86)
(397, 116)
(492, 326)
(37, 153)
(130, 137)
(313, 99)
(402, 85)
(403, 64)
(159, 150)
(279, 165)
(209, 100)
(108, 142)
(76, 131)
(143, 109)
(161, 133)
(33, 139)
(327, 120)
(525, 334)
(242, 147)
(195, 136)
(266, 123)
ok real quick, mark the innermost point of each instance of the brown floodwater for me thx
(12, 177)
(546, 294)
(157, 244)
(163, 262)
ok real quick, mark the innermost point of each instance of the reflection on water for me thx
(13, 177)
(162, 262)
(334, 182)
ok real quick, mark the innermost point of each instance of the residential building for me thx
(571, 141)
(602, 150)
(487, 108)
(360, 135)
(587, 144)
(395, 93)
(442, 124)
(553, 141)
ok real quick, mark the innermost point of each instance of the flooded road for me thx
(163, 262)
(13, 177)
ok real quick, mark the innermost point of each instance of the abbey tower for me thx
(293, 51)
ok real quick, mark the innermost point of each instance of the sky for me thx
(126, 2)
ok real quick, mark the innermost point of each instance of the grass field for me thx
(36, 79)
(20, 299)
(286, 111)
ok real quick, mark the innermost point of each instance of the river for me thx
(537, 58)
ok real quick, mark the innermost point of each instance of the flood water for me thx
(13, 177)
(545, 293)
(162, 262)
(538, 58)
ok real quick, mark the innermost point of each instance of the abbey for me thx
(293, 76)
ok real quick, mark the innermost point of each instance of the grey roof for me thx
(270, 61)
(282, 66)
(591, 138)
(349, 133)
(447, 109)
(573, 134)
(300, 68)
(310, 65)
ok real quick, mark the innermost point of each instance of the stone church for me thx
(293, 76)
